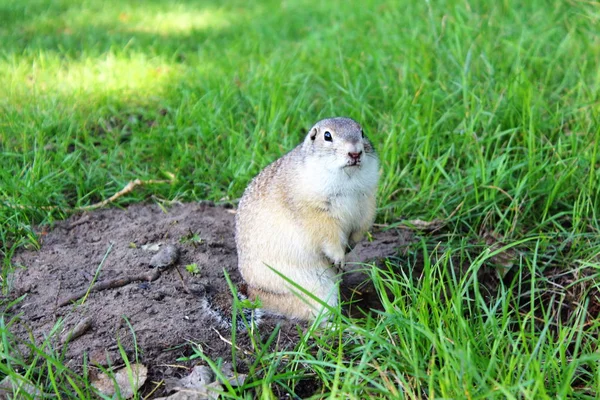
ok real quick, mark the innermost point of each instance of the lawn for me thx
(485, 115)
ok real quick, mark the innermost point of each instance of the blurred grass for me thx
(487, 108)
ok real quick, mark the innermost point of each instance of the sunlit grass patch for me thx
(178, 21)
(72, 18)
(91, 79)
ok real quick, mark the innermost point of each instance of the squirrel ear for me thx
(313, 134)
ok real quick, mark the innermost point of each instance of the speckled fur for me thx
(302, 214)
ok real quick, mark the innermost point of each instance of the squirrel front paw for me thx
(335, 254)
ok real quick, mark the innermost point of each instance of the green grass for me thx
(487, 108)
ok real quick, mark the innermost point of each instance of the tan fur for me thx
(300, 215)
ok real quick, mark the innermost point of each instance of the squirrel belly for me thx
(301, 214)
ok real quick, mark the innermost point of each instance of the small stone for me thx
(154, 247)
(166, 257)
(157, 296)
(197, 289)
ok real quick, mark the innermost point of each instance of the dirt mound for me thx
(166, 309)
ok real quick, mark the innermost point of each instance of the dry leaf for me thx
(233, 378)
(106, 385)
(15, 387)
(200, 384)
(503, 260)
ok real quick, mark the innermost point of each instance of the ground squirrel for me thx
(303, 213)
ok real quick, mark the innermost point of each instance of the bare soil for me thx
(163, 314)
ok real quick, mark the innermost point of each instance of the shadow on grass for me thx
(102, 58)
(155, 28)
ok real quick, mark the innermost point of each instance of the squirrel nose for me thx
(355, 156)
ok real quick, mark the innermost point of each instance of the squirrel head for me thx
(340, 142)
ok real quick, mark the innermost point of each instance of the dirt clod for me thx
(79, 329)
(166, 256)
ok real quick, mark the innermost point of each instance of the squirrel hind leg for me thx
(290, 304)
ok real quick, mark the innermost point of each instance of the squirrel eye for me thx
(327, 136)
(362, 133)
